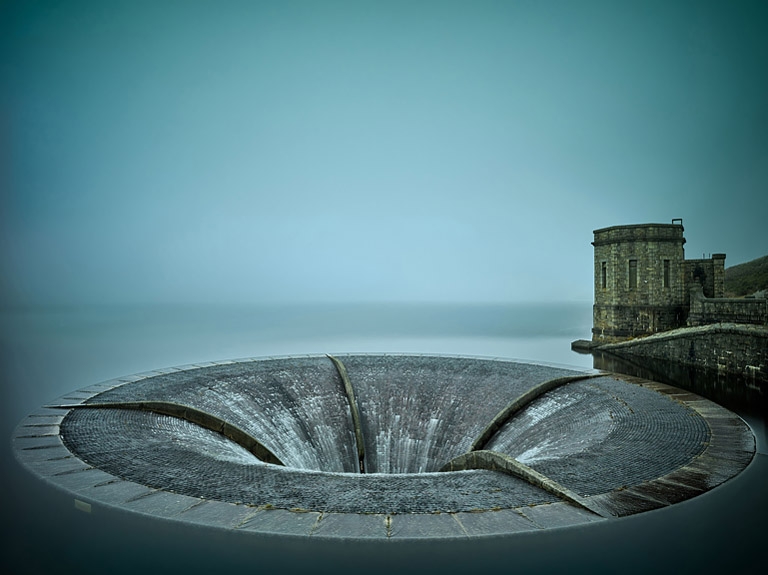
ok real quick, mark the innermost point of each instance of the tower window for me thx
(632, 274)
(603, 275)
(665, 279)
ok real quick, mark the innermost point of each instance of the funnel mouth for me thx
(235, 443)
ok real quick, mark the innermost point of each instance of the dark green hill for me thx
(747, 278)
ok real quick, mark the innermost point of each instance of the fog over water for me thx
(189, 151)
(185, 180)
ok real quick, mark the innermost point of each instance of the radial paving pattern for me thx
(180, 444)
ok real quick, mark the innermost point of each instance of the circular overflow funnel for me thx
(391, 447)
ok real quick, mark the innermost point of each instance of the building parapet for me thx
(639, 233)
(704, 310)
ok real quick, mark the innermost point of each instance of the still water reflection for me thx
(47, 352)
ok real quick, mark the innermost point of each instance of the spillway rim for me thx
(58, 471)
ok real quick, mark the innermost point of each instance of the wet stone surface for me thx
(626, 444)
(602, 434)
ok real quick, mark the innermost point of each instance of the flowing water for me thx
(45, 352)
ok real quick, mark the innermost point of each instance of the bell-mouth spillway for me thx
(382, 446)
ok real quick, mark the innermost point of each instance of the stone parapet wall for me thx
(723, 347)
(738, 310)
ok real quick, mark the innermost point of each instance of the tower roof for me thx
(639, 233)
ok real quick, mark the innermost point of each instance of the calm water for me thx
(47, 352)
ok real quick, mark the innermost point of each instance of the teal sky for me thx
(367, 151)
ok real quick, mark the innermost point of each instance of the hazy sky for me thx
(423, 151)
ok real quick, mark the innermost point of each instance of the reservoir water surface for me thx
(46, 352)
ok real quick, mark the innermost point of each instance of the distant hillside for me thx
(747, 278)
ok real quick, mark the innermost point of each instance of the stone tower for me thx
(640, 280)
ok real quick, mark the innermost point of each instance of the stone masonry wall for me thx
(643, 299)
(725, 347)
(738, 310)
(709, 273)
(634, 321)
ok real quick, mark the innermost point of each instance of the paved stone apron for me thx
(585, 447)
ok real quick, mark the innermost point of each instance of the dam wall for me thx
(722, 347)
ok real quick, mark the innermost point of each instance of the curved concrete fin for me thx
(192, 415)
(520, 402)
(353, 410)
(495, 461)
